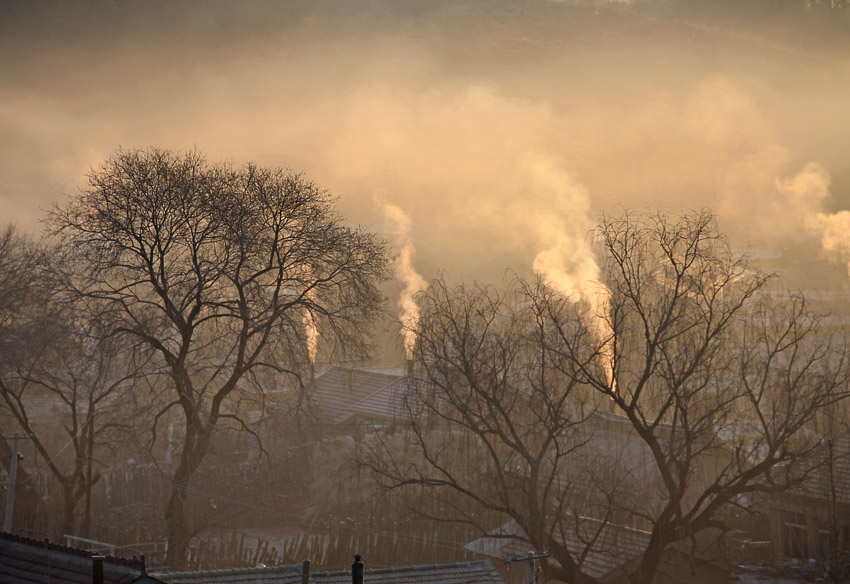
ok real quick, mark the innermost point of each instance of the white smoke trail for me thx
(795, 205)
(311, 325)
(568, 264)
(809, 188)
(310, 318)
(405, 272)
(792, 207)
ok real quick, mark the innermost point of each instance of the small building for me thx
(31, 561)
(479, 572)
(615, 553)
(812, 521)
(354, 401)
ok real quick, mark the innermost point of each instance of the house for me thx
(289, 574)
(616, 551)
(479, 572)
(352, 401)
(609, 454)
(812, 520)
(31, 561)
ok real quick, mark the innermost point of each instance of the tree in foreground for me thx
(21, 262)
(225, 273)
(700, 394)
(63, 357)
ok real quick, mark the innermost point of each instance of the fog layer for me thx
(499, 130)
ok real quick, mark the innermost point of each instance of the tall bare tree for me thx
(709, 377)
(712, 363)
(218, 269)
(68, 389)
(60, 368)
(21, 261)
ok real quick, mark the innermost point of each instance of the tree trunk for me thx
(86, 528)
(177, 528)
(69, 507)
(177, 521)
(29, 512)
(648, 566)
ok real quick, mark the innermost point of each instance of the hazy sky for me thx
(496, 127)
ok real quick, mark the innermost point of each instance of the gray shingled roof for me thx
(31, 561)
(817, 485)
(615, 546)
(290, 574)
(340, 393)
(480, 572)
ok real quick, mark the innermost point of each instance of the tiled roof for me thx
(290, 574)
(817, 485)
(340, 393)
(31, 561)
(480, 572)
(615, 546)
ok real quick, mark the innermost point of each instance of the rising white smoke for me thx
(792, 207)
(568, 264)
(413, 282)
(311, 319)
(810, 189)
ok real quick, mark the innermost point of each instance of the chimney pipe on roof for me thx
(408, 368)
(97, 569)
(357, 570)
(305, 572)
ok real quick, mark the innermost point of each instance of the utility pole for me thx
(10, 492)
(529, 566)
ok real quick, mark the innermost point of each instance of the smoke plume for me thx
(310, 318)
(480, 118)
(413, 282)
(569, 265)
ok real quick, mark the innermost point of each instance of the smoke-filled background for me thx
(496, 131)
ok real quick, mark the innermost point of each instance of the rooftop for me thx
(479, 572)
(31, 561)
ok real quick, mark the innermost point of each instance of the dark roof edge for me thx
(294, 568)
(134, 562)
(488, 566)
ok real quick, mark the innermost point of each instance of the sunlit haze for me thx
(501, 130)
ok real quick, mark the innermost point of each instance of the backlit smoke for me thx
(811, 185)
(793, 207)
(311, 325)
(405, 272)
(310, 319)
(835, 229)
(568, 265)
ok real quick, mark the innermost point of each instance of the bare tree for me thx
(67, 389)
(58, 370)
(20, 262)
(710, 376)
(717, 373)
(218, 269)
(496, 424)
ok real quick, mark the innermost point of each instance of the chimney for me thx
(97, 569)
(305, 572)
(357, 570)
(408, 368)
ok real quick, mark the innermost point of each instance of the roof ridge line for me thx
(46, 544)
